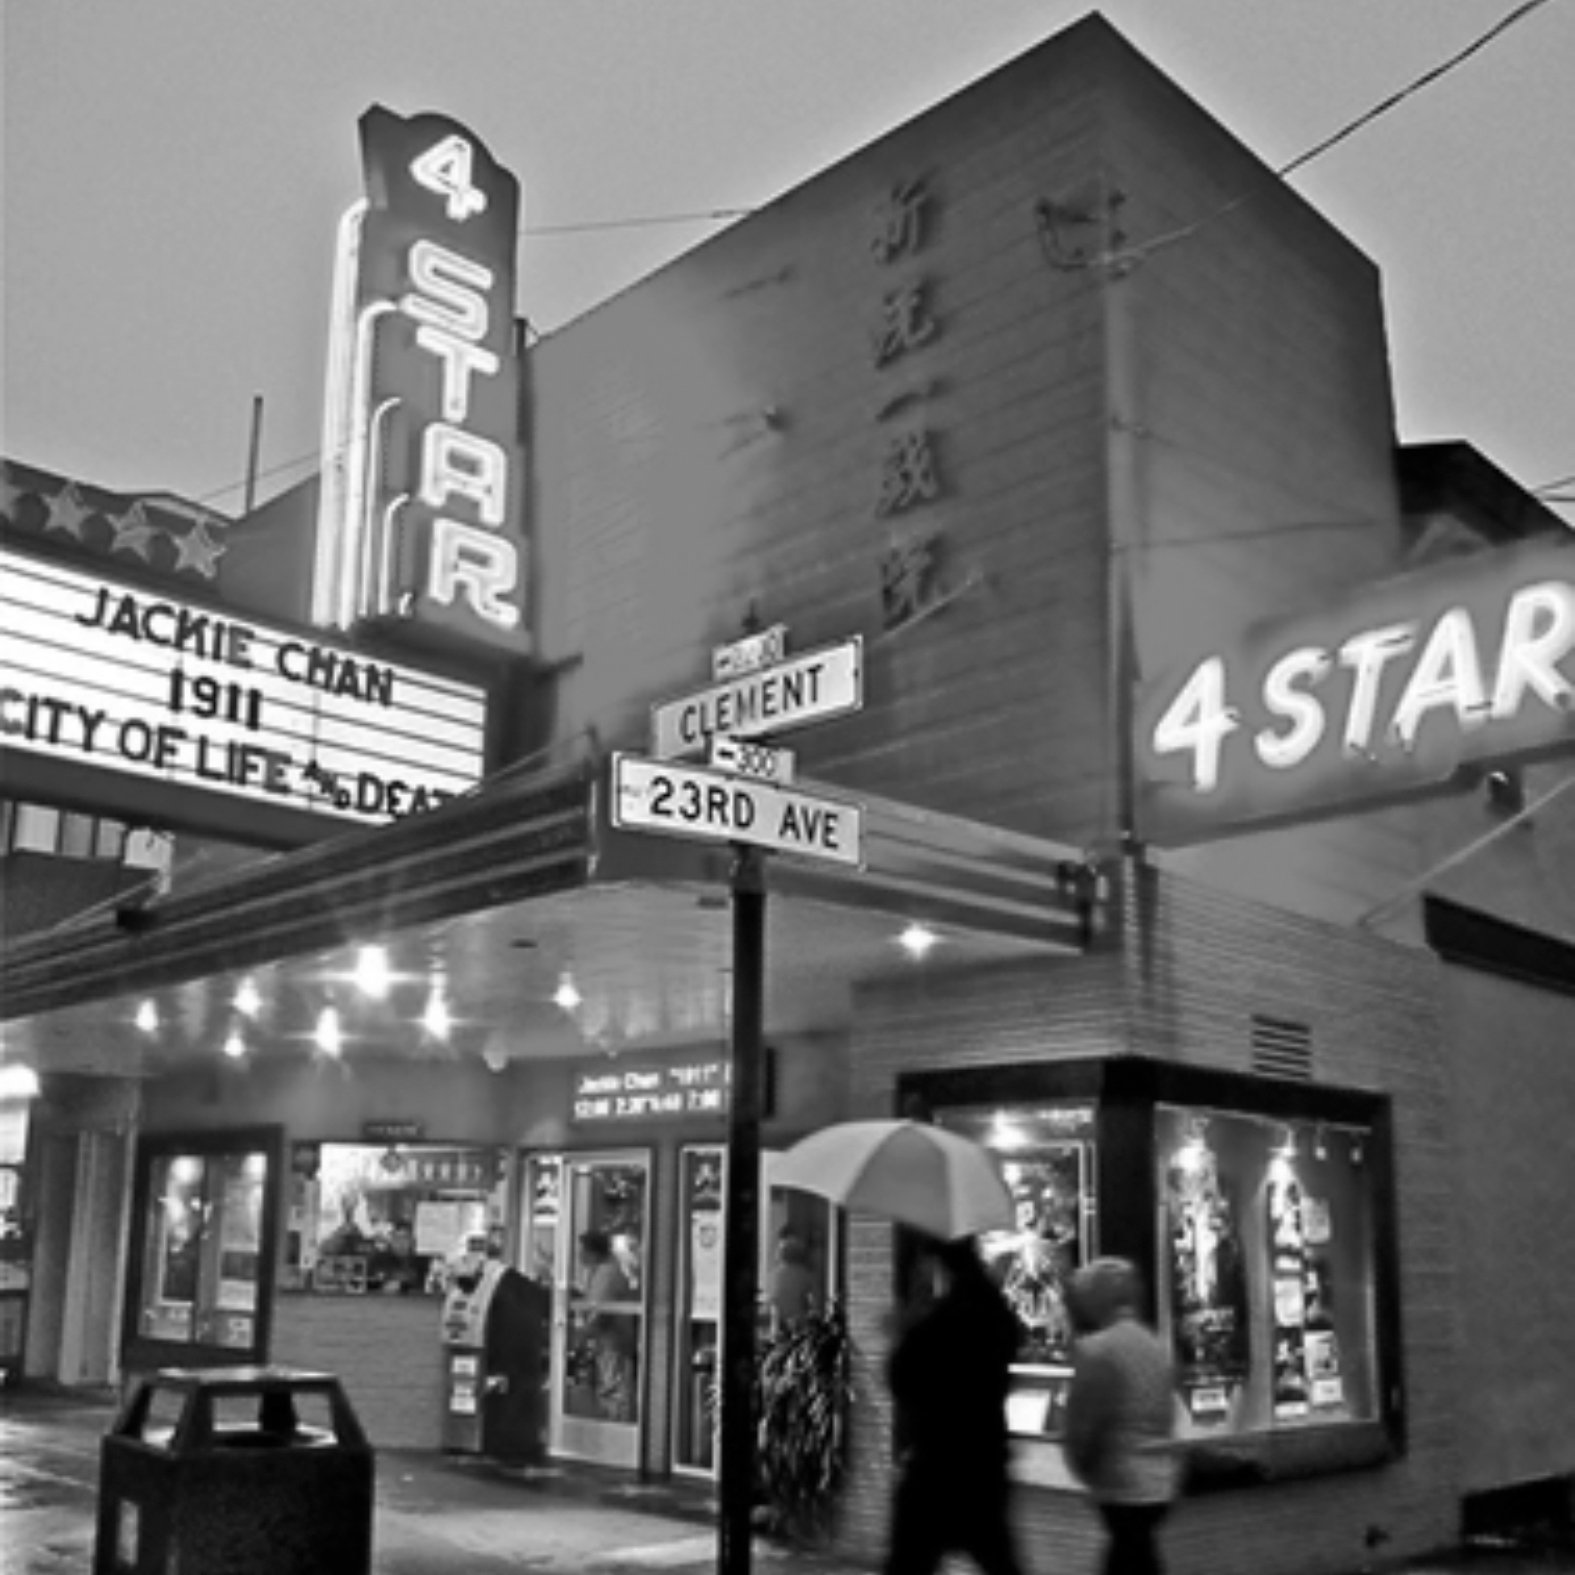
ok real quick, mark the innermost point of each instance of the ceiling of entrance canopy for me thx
(643, 965)
(542, 929)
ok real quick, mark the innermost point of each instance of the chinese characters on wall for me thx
(910, 478)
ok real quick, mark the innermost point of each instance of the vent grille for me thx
(1281, 1048)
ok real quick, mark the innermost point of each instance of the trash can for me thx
(227, 1472)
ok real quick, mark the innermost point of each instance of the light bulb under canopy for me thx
(329, 1038)
(435, 1019)
(371, 972)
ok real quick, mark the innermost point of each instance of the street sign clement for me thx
(819, 684)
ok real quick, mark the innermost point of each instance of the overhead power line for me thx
(1127, 256)
(1135, 254)
(711, 215)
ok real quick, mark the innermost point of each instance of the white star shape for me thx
(68, 512)
(198, 550)
(134, 532)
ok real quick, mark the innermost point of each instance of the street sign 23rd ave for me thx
(656, 795)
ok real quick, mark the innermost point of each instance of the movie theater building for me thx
(1191, 718)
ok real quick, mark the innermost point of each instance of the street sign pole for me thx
(741, 1249)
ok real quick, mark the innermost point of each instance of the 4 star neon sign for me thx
(420, 520)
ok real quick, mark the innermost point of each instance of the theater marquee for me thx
(201, 705)
(1385, 697)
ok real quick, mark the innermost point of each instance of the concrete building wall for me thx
(1255, 413)
(1511, 1172)
(716, 438)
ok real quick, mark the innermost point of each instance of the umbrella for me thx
(910, 1172)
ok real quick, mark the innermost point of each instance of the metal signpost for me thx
(745, 797)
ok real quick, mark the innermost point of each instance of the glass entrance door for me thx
(599, 1296)
(798, 1274)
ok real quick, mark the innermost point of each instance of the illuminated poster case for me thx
(1261, 1212)
(204, 1218)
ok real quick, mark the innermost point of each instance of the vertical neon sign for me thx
(421, 516)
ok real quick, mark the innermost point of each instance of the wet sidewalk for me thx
(434, 1514)
(442, 1515)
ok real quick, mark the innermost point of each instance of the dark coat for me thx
(949, 1376)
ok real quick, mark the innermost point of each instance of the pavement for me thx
(439, 1514)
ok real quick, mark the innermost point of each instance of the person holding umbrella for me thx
(950, 1368)
(949, 1374)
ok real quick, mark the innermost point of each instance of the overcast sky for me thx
(173, 170)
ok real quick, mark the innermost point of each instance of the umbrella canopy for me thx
(910, 1172)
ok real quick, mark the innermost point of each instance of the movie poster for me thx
(1208, 1284)
(1306, 1354)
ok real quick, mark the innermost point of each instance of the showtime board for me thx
(182, 697)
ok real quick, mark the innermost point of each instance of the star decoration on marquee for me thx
(11, 495)
(68, 511)
(134, 532)
(198, 550)
(116, 523)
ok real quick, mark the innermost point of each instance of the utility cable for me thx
(1399, 897)
(589, 225)
(1127, 257)
(1130, 256)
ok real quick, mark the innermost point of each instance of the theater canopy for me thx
(504, 895)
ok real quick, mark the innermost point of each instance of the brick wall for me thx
(386, 1351)
(1202, 962)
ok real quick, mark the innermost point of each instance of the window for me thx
(37, 828)
(34, 829)
(1266, 1283)
(1047, 1154)
(389, 1217)
(1260, 1212)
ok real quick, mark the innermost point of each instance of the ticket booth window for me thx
(390, 1218)
(201, 1270)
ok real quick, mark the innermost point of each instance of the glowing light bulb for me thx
(371, 972)
(435, 1019)
(917, 940)
(18, 1082)
(247, 1000)
(234, 1045)
(329, 1038)
(148, 1017)
(566, 995)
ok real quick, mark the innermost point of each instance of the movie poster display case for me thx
(205, 1211)
(1261, 1212)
